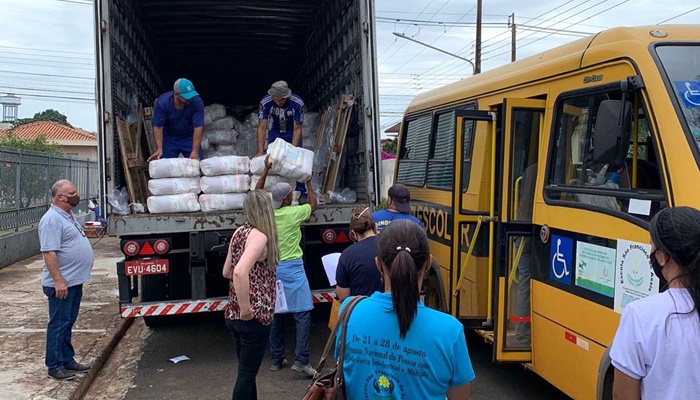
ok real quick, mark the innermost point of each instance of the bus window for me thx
(415, 147)
(467, 146)
(440, 166)
(576, 178)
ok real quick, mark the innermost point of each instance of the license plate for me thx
(146, 267)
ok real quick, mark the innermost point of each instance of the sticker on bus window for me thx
(560, 256)
(634, 277)
(689, 92)
(595, 268)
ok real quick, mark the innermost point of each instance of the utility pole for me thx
(511, 25)
(477, 52)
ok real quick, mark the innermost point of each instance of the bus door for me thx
(522, 129)
(469, 278)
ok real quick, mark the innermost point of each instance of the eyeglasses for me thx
(358, 215)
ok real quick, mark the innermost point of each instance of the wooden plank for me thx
(148, 129)
(340, 130)
(126, 150)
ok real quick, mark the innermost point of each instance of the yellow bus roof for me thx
(551, 62)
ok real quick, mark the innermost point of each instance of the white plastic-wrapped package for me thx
(289, 161)
(213, 112)
(229, 165)
(221, 136)
(270, 181)
(173, 168)
(221, 202)
(204, 144)
(163, 186)
(220, 124)
(257, 165)
(225, 184)
(173, 203)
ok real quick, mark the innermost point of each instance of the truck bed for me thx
(147, 224)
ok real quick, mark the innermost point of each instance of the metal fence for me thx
(26, 179)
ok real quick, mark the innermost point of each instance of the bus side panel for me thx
(566, 359)
(560, 352)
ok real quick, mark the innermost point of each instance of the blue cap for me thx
(185, 87)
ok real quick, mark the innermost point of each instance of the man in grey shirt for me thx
(68, 260)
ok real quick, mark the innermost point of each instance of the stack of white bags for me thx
(174, 185)
(224, 183)
(222, 178)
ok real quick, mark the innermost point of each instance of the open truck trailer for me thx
(232, 50)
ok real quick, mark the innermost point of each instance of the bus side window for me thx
(441, 163)
(415, 148)
(574, 177)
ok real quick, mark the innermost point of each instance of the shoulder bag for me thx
(330, 386)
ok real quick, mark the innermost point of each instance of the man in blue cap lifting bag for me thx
(178, 121)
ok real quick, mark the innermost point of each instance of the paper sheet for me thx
(280, 298)
(640, 207)
(330, 264)
(177, 359)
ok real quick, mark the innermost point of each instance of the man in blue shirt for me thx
(68, 260)
(398, 207)
(178, 121)
(281, 115)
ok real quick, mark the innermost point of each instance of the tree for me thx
(46, 115)
(389, 146)
(35, 173)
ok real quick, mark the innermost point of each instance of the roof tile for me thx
(53, 131)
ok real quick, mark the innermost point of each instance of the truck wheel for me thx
(153, 289)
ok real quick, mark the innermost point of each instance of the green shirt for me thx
(289, 221)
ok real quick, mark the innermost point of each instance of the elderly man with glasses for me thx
(68, 261)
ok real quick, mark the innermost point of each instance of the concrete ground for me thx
(23, 319)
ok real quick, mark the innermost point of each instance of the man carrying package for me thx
(291, 272)
(178, 121)
(281, 116)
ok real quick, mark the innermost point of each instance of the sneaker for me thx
(306, 369)
(77, 367)
(62, 374)
(275, 367)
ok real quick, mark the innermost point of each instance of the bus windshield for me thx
(682, 66)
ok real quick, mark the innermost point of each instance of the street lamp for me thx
(401, 35)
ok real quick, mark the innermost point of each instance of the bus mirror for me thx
(612, 131)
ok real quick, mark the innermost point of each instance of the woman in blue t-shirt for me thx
(395, 346)
(357, 274)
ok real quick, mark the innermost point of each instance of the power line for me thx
(45, 61)
(47, 66)
(51, 75)
(679, 15)
(87, 3)
(45, 50)
(52, 56)
(56, 97)
(45, 90)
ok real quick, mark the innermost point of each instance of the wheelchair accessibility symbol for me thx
(561, 251)
(689, 92)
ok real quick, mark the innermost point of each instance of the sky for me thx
(46, 46)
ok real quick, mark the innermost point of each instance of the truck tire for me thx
(153, 289)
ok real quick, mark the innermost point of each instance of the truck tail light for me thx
(161, 246)
(131, 248)
(146, 250)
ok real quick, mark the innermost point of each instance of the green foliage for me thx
(35, 172)
(47, 115)
(39, 144)
(389, 146)
(382, 205)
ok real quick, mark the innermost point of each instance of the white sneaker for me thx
(306, 369)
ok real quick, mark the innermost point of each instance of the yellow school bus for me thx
(537, 181)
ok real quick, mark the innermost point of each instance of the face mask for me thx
(73, 201)
(656, 266)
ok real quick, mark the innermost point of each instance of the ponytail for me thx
(404, 296)
(403, 250)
